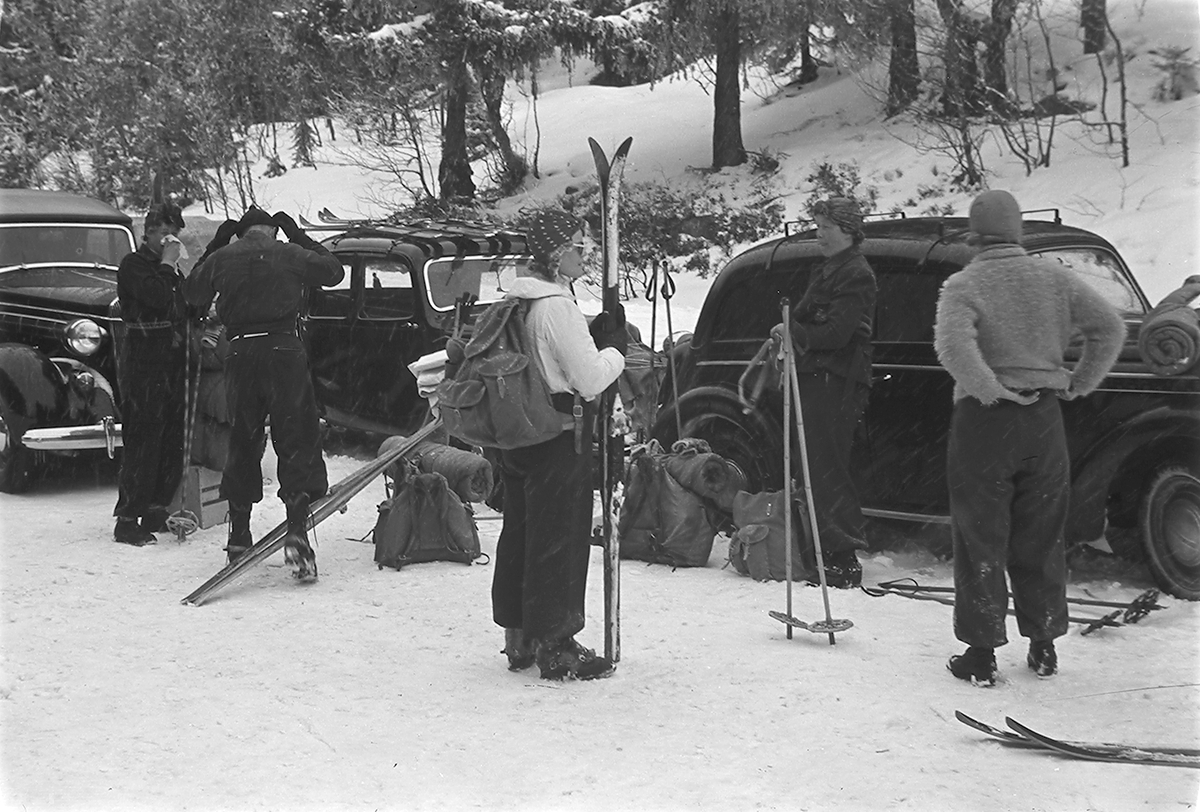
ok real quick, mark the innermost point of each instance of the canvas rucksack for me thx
(424, 521)
(756, 549)
(662, 521)
(498, 397)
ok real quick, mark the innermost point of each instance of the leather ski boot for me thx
(128, 531)
(240, 540)
(520, 652)
(296, 549)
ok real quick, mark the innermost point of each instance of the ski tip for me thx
(625, 145)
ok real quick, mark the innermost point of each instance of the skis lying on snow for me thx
(1022, 736)
(337, 498)
(1124, 613)
(611, 447)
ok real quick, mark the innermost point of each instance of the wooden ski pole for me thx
(786, 310)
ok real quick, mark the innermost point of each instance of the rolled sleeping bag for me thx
(1169, 339)
(468, 474)
(708, 475)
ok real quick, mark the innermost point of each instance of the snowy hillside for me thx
(387, 690)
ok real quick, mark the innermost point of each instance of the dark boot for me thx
(1042, 659)
(566, 659)
(240, 540)
(155, 520)
(520, 653)
(977, 665)
(842, 570)
(127, 531)
(296, 549)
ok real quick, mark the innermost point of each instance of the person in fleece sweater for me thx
(1002, 328)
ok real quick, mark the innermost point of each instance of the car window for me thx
(58, 243)
(337, 301)
(487, 278)
(387, 290)
(749, 306)
(1103, 272)
(906, 303)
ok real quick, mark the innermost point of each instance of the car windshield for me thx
(28, 244)
(1103, 272)
(487, 278)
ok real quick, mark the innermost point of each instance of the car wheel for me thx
(1170, 523)
(16, 462)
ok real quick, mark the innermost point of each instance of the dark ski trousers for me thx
(268, 377)
(1009, 477)
(542, 555)
(152, 423)
(832, 408)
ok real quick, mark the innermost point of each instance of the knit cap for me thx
(254, 216)
(842, 212)
(996, 214)
(550, 230)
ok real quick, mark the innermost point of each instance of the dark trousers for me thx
(832, 407)
(542, 555)
(152, 422)
(1009, 477)
(268, 378)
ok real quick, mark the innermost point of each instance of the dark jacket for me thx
(831, 325)
(149, 291)
(261, 281)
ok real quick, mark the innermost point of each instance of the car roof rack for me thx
(418, 229)
(875, 215)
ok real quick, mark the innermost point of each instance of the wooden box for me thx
(202, 486)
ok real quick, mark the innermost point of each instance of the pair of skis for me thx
(608, 173)
(1021, 735)
(337, 498)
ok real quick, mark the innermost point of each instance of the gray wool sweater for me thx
(1004, 322)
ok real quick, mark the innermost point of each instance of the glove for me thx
(225, 233)
(292, 231)
(455, 354)
(608, 329)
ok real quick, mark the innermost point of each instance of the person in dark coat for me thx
(259, 284)
(1002, 329)
(151, 375)
(543, 550)
(831, 330)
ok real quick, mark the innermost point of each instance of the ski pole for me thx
(652, 297)
(790, 359)
(786, 309)
(668, 290)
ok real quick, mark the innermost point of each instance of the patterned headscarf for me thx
(844, 212)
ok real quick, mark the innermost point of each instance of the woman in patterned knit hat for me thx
(831, 330)
(542, 554)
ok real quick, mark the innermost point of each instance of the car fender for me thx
(37, 392)
(1116, 461)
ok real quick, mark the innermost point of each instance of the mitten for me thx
(292, 231)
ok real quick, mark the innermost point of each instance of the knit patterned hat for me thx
(996, 217)
(843, 212)
(550, 230)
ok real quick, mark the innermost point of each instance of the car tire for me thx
(17, 462)
(730, 438)
(1170, 525)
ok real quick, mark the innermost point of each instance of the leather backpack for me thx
(424, 521)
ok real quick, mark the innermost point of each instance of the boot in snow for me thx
(240, 540)
(566, 659)
(520, 653)
(296, 549)
(976, 665)
(128, 531)
(1042, 659)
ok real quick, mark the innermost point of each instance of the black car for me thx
(1134, 443)
(60, 327)
(406, 287)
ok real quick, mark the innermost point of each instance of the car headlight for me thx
(84, 336)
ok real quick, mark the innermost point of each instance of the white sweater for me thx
(564, 349)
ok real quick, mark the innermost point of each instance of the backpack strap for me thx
(575, 421)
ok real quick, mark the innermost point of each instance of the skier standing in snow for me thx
(1003, 326)
(152, 378)
(831, 330)
(543, 550)
(261, 284)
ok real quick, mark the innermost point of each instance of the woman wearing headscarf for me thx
(831, 329)
(543, 551)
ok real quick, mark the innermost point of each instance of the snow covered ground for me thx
(387, 690)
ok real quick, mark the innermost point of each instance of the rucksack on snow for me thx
(424, 521)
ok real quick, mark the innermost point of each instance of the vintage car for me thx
(1134, 444)
(59, 327)
(407, 286)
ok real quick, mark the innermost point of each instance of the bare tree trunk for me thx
(1093, 16)
(995, 37)
(808, 65)
(454, 171)
(728, 149)
(962, 93)
(491, 87)
(904, 74)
